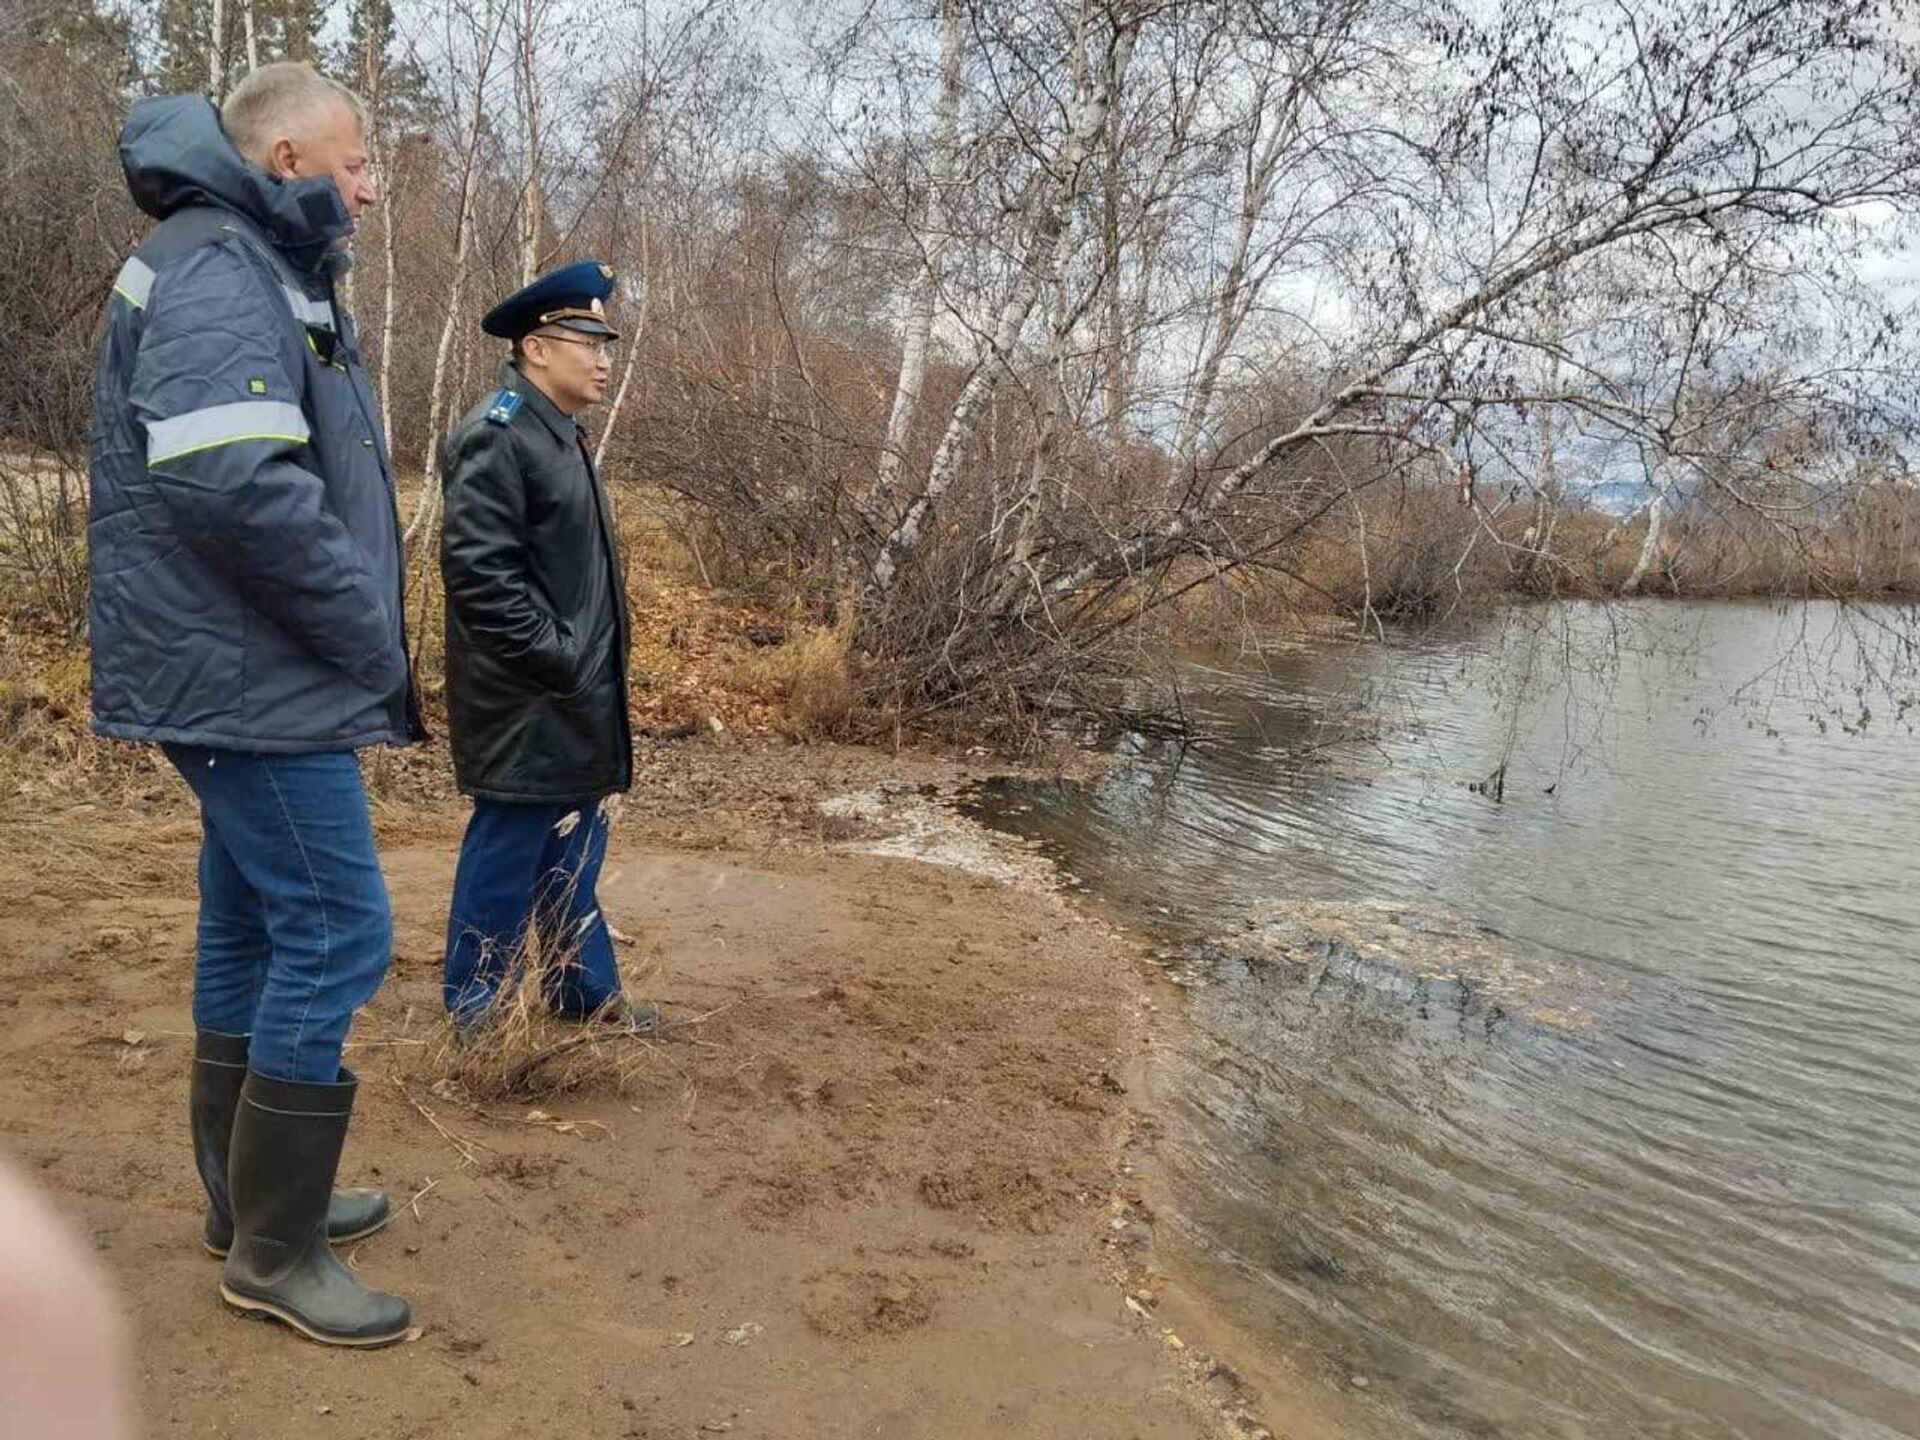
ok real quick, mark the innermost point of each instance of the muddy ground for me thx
(875, 1193)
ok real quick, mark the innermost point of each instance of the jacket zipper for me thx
(412, 721)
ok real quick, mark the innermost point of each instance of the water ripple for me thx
(1595, 1112)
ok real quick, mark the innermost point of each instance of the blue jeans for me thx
(528, 872)
(295, 929)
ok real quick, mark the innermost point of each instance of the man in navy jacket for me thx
(247, 616)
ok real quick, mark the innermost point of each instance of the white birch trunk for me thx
(456, 290)
(960, 427)
(1024, 515)
(631, 338)
(1129, 314)
(935, 228)
(437, 403)
(1546, 478)
(1089, 119)
(1649, 547)
(373, 86)
(217, 52)
(1237, 293)
(1118, 379)
(381, 178)
(253, 38)
(528, 92)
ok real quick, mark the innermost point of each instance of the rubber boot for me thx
(219, 1068)
(286, 1147)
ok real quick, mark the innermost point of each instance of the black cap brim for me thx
(587, 325)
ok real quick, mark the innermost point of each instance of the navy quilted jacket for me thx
(244, 544)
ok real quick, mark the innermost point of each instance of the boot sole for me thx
(374, 1229)
(267, 1310)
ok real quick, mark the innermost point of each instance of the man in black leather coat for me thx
(536, 663)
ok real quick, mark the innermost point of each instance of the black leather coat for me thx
(536, 607)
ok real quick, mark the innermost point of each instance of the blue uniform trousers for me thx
(295, 930)
(526, 880)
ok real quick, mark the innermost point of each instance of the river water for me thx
(1586, 1104)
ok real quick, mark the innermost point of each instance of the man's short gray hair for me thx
(277, 102)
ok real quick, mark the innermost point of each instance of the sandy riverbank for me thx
(879, 1194)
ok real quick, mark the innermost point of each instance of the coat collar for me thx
(557, 420)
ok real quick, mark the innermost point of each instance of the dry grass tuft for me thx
(521, 1050)
(808, 677)
(49, 758)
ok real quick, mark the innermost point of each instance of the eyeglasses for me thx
(601, 348)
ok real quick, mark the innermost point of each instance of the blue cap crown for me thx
(573, 297)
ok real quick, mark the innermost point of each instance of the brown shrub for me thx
(808, 677)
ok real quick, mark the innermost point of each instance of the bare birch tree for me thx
(932, 239)
(1289, 76)
(1051, 233)
(531, 16)
(217, 51)
(473, 35)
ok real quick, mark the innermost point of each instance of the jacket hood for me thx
(176, 154)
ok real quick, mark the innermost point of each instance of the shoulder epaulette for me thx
(506, 404)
